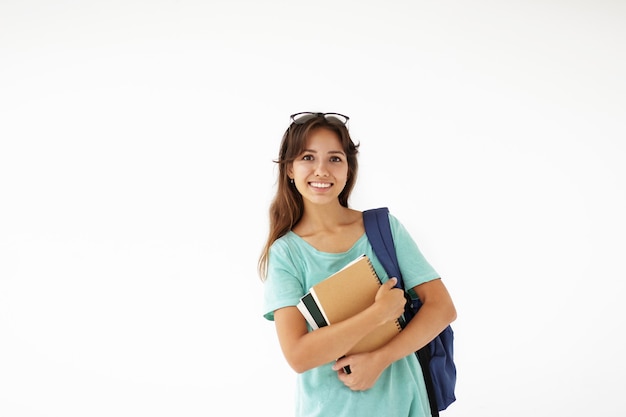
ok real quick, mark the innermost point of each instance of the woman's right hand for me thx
(390, 301)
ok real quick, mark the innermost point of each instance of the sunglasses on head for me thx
(303, 117)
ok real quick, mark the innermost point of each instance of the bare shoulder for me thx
(354, 217)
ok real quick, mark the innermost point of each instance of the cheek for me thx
(342, 173)
(298, 171)
(342, 179)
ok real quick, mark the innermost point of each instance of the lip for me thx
(320, 185)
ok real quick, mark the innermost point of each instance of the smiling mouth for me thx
(320, 184)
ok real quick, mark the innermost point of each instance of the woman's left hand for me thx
(365, 369)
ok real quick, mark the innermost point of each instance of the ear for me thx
(290, 172)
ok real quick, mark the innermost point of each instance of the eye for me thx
(335, 159)
(307, 157)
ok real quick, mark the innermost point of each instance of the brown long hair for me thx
(287, 206)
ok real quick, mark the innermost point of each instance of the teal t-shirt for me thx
(294, 267)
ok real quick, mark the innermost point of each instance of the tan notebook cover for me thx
(348, 292)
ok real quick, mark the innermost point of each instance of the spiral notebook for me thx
(344, 294)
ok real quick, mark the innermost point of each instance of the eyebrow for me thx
(330, 152)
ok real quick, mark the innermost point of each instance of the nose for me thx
(321, 170)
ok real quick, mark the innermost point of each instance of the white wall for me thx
(136, 147)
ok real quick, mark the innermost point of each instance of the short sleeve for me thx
(283, 286)
(415, 268)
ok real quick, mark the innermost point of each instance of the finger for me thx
(340, 363)
(391, 282)
(342, 369)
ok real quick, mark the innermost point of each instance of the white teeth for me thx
(320, 184)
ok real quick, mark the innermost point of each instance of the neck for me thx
(324, 217)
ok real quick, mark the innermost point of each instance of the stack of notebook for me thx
(344, 294)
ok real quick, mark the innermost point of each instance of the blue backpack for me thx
(436, 358)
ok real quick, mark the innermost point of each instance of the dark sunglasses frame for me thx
(305, 116)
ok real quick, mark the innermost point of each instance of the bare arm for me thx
(306, 350)
(436, 313)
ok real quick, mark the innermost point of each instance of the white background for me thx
(136, 148)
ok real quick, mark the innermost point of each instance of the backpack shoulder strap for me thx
(378, 231)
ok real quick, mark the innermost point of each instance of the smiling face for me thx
(320, 172)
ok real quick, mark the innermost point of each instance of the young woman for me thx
(314, 233)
